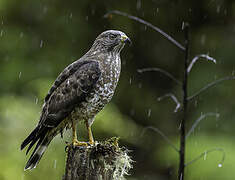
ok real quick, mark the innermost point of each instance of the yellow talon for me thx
(75, 141)
(91, 139)
(79, 143)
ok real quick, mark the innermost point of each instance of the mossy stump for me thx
(102, 161)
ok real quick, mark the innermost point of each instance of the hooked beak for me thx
(125, 39)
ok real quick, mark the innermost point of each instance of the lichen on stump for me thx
(102, 161)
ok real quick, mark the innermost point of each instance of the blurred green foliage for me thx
(40, 38)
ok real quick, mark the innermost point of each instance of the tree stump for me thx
(102, 161)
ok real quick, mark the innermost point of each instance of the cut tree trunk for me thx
(103, 161)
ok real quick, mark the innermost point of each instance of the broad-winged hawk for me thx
(80, 91)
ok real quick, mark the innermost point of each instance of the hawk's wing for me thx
(72, 87)
(68, 71)
(69, 93)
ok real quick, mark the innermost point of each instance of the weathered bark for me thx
(99, 162)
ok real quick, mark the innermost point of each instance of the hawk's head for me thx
(111, 40)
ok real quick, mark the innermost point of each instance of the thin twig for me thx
(161, 71)
(210, 85)
(174, 98)
(162, 134)
(198, 120)
(207, 57)
(147, 24)
(185, 105)
(205, 153)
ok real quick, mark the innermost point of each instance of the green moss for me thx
(122, 162)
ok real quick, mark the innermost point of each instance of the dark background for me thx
(40, 38)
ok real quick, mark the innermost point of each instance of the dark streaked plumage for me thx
(78, 93)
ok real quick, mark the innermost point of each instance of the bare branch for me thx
(147, 24)
(198, 120)
(181, 167)
(207, 152)
(161, 71)
(210, 85)
(197, 57)
(174, 98)
(161, 134)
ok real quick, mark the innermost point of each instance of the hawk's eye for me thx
(112, 36)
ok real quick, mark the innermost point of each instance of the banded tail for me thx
(39, 135)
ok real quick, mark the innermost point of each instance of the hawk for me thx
(80, 91)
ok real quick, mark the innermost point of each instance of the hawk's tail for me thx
(39, 135)
(37, 153)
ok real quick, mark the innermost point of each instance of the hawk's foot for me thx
(91, 142)
(90, 136)
(79, 143)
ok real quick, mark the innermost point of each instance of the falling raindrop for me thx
(181, 176)
(20, 75)
(86, 18)
(124, 62)
(130, 80)
(179, 126)
(93, 11)
(149, 112)
(205, 155)
(36, 100)
(138, 4)
(182, 27)
(218, 9)
(203, 39)
(157, 10)
(145, 28)
(1, 33)
(41, 43)
(71, 15)
(21, 34)
(44, 10)
(55, 162)
(220, 165)
(22, 177)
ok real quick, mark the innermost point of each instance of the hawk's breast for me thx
(103, 90)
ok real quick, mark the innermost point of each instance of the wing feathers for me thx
(71, 88)
(70, 93)
(64, 75)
